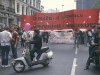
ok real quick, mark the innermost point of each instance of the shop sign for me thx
(6, 15)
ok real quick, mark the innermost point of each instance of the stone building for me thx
(7, 13)
(11, 10)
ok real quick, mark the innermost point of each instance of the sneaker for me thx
(2, 65)
(7, 65)
(0, 60)
(87, 67)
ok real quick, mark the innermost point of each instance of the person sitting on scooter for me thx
(94, 47)
(37, 41)
(97, 54)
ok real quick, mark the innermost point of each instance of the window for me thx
(30, 2)
(31, 12)
(39, 5)
(26, 11)
(34, 3)
(22, 9)
(26, 1)
(17, 8)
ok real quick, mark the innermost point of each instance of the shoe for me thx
(7, 65)
(0, 60)
(2, 65)
(87, 67)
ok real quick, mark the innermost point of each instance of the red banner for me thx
(72, 19)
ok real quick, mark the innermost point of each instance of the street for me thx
(66, 61)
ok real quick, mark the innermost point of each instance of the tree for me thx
(97, 4)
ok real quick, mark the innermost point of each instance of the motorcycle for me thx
(96, 58)
(45, 58)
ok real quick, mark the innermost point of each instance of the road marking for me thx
(76, 51)
(73, 67)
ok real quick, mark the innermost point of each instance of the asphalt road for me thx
(66, 61)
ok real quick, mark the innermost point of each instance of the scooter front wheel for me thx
(46, 63)
(19, 66)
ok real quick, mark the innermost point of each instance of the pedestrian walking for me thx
(76, 38)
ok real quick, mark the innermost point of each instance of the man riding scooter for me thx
(94, 41)
(37, 41)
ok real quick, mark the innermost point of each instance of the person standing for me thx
(14, 42)
(5, 37)
(76, 38)
(28, 36)
(47, 37)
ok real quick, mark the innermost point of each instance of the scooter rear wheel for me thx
(19, 66)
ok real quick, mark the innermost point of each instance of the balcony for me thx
(2, 7)
(10, 9)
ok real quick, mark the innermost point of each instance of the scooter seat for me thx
(44, 49)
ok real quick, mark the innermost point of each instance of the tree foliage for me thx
(97, 4)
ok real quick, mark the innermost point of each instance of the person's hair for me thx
(98, 27)
(6, 28)
(93, 26)
(37, 30)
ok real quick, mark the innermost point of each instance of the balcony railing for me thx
(10, 9)
(2, 7)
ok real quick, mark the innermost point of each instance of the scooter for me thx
(45, 58)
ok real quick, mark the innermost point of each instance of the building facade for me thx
(11, 10)
(27, 7)
(7, 13)
(51, 11)
(42, 8)
(85, 4)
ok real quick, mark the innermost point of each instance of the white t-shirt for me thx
(28, 35)
(5, 38)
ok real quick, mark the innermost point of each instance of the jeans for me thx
(90, 56)
(47, 40)
(14, 51)
(32, 53)
(76, 42)
(4, 54)
(30, 47)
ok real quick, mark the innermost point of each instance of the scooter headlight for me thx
(26, 52)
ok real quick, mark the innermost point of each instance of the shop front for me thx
(7, 19)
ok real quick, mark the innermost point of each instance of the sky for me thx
(53, 4)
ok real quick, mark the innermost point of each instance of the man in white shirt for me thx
(28, 36)
(5, 37)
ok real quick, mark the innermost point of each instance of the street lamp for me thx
(62, 7)
(56, 9)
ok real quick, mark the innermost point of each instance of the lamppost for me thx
(62, 7)
(56, 9)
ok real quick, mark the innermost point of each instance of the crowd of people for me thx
(92, 39)
(8, 40)
(11, 36)
(82, 37)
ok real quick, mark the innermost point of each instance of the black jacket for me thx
(37, 41)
